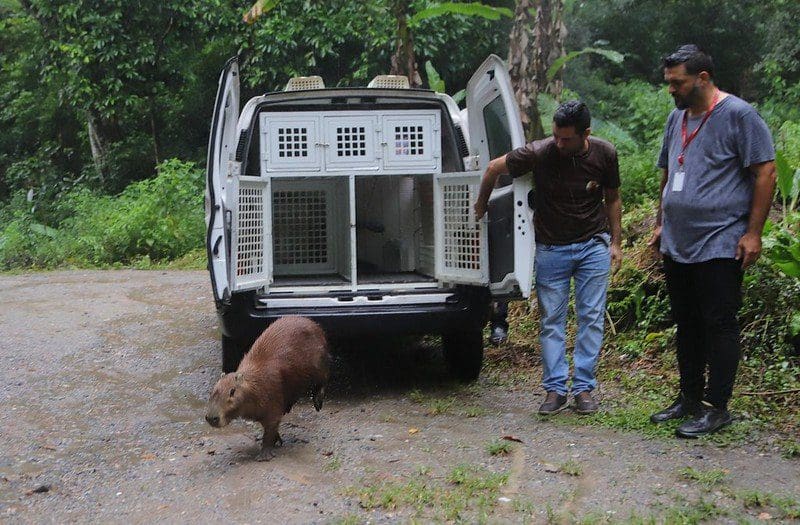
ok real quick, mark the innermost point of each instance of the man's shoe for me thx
(681, 408)
(498, 335)
(553, 403)
(585, 403)
(710, 420)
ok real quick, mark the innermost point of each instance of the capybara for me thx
(289, 360)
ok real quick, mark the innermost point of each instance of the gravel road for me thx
(104, 381)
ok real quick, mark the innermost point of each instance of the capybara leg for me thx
(271, 437)
(318, 397)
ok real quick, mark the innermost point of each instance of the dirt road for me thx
(104, 380)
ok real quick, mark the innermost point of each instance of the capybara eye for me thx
(233, 391)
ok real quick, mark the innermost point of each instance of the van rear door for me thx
(495, 128)
(221, 149)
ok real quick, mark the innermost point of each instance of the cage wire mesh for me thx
(300, 227)
(462, 236)
(250, 244)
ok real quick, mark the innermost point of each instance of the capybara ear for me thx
(238, 378)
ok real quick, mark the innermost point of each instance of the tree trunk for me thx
(536, 41)
(549, 33)
(404, 61)
(520, 64)
(97, 145)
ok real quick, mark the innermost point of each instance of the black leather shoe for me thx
(498, 336)
(679, 409)
(710, 420)
(553, 403)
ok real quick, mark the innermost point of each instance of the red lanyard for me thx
(690, 138)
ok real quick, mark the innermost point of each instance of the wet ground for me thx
(104, 380)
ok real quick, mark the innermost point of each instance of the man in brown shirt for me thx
(577, 223)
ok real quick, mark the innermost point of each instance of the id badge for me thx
(677, 180)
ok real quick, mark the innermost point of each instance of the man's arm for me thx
(749, 247)
(489, 179)
(655, 240)
(613, 204)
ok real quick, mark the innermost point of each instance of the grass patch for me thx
(790, 449)
(333, 465)
(467, 493)
(435, 406)
(499, 447)
(474, 411)
(571, 468)
(707, 478)
(691, 513)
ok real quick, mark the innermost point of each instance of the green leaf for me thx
(44, 230)
(471, 9)
(613, 56)
(785, 175)
(792, 269)
(459, 96)
(435, 82)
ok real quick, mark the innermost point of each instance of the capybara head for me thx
(226, 400)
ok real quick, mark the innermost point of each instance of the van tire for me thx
(232, 353)
(463, 353)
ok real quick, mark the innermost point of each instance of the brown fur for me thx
(289, 360)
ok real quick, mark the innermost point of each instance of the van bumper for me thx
(468, 307)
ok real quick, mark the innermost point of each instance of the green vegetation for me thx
(707, 478)
(571, 468)
(499, 447)
(466, 493)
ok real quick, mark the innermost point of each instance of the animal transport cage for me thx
(345, 199)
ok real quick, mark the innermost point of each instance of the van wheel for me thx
(463, 353)
(232, 353)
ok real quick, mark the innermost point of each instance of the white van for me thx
(353, 206)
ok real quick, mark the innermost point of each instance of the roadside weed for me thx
(707, 478)
(499, 447)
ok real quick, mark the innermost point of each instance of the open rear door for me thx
(495, 128)
(221, 146)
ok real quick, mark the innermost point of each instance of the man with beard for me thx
(578, 237)
(716, 190)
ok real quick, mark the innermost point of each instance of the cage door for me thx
(249, 233)
(291, 142)
(461, 239)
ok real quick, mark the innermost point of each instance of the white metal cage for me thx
(249, 235)
(394, 142)
(309, 226)
(461, 238)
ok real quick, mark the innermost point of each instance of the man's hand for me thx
(616, 257)
(749, 249)
(655, 240)
(480, 208)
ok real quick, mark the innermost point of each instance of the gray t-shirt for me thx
(705, 218)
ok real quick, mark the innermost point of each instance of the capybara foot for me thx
(266, 454)
(318, 398)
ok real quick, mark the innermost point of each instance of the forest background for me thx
(105, 109)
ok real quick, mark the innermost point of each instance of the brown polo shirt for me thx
(568, 191)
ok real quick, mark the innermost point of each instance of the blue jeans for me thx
(588, 263)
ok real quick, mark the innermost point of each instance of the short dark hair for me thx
(694, 58)
(573, 113)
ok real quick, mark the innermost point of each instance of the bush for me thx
(157, 219)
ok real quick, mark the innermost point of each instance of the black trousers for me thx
(500, 314)
(705, 298)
